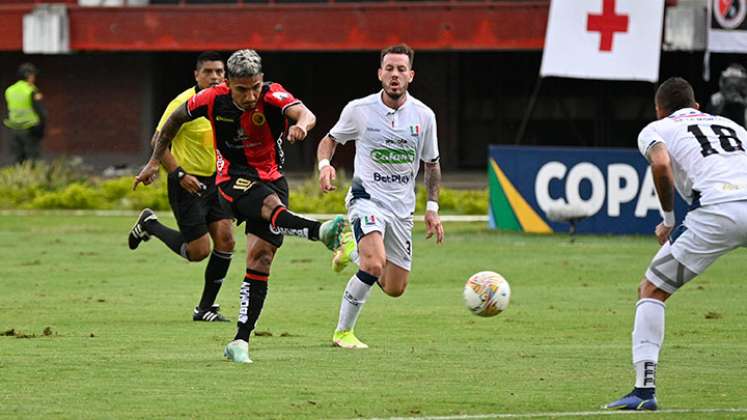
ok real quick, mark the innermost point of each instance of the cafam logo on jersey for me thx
(393, 156)
(621, 185)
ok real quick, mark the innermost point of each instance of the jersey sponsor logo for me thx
(239, 139)
(258, 119)
(219, 162)
(242, 184)
(373, 130)
(398, 142)
(280, 152)
(729, 14)
(281, 96)
(731, 187)
(393, 156)
(392, 179)
(302, 233)
(221, 118)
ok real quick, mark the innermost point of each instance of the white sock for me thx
(648, 336)
(355, 295)
(645, 375)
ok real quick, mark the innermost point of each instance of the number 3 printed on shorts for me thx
(725, 135)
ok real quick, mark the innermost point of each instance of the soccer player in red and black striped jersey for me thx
(250, 120)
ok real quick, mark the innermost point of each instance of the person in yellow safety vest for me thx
(26, 116)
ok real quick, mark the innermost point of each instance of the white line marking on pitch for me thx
(569, 414)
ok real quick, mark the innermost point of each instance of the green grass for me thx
(122, 343)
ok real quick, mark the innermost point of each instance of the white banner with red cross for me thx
(604, 39)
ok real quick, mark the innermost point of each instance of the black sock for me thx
(292, 224)
(253, 293)
(172, 238)
(215, 272)
(645, 393)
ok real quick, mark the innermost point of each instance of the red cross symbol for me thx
(607, 24)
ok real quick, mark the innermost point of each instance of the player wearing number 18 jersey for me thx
(703, 157)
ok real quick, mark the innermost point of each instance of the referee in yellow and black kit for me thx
(193, 196)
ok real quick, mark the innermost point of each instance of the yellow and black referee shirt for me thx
(193, 144)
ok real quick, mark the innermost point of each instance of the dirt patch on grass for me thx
(47, 332)
(713, 315)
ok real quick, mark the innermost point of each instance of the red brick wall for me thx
(97, 103)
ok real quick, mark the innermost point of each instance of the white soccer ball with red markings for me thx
(487, 293)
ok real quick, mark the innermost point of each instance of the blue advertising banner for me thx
(538, 189)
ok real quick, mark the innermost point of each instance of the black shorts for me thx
(244, 197)
(194, 213)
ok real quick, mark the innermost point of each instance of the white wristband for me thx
(323, 164)
(431, 206)
(668, 218)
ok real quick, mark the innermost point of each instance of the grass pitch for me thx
(99, 331)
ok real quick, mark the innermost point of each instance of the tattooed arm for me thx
(432, 177)
(161, 141)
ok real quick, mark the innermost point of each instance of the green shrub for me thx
(116, 188)
(65, 185)
(11, 198)
(306, 197)
(47, 176)
(154, 196)
(456, 201)
(74, 196)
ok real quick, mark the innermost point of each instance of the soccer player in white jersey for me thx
(703, 157)
(393, 133)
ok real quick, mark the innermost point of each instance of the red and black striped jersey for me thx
(248, 143)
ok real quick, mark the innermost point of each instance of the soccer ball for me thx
(487, 293)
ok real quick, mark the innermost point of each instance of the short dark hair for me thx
(25, 70)
(208, 56)
(399, 49)
(674, 94)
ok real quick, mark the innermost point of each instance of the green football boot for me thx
(330, 232)
(348, 340)
(237, 351)
(341, 257)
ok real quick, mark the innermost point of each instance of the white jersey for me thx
(390, 145)
(707, 153)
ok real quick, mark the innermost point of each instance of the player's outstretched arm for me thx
(661, 169)
(304, 120)
(324, 153)
(432, 175)
(161, 141)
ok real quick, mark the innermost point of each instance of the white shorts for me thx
(366, 217)
(707, 233)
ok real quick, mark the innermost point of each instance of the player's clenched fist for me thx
(295, 133)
